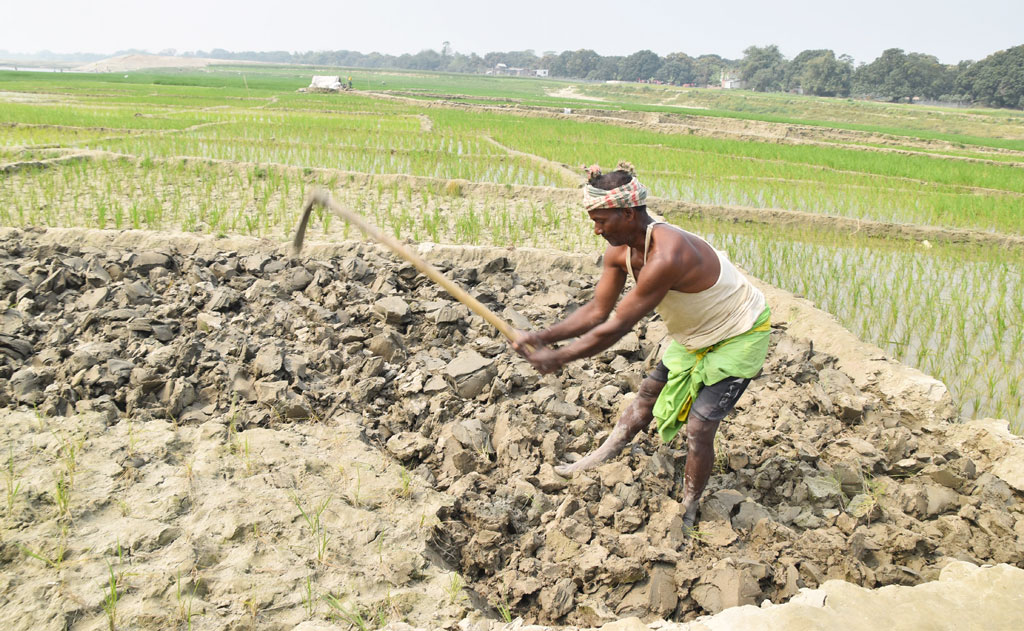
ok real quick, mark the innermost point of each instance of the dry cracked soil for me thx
(237, 438)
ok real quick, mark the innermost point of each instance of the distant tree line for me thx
(995, 81)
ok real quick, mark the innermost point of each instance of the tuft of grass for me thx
(453, 188)
(873, 492)
(12, 482)
(69, 451)
(110, 599)
(355, 485)
(57, 559)
(185, 601)
(309, 599)
(454, 588)
(405, 490)
(352, 616)
(695, 535)
(504, 611)
(62, 496)
(317, 529)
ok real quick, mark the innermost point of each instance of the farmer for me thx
(718, 321)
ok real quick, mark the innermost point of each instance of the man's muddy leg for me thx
(636, 418)
(700, 457)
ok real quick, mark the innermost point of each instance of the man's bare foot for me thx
(636, 417)
(608, 450)
(565, 469)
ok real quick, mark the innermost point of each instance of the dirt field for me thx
(231, 437)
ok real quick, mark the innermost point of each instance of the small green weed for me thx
(352, 616)
(12, 482)
(454, 588)
(317, 529)
(110, 599)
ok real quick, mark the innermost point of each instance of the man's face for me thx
(611, 224)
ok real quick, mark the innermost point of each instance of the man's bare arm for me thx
(656, 279)
(596, 310)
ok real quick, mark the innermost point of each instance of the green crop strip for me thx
(951, 311)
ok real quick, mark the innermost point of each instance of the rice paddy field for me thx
(494, 160)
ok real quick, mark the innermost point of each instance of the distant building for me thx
(512, 71)
(732, 82)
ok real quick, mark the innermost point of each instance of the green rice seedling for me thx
(101, 215)
(864, 504)
(185, 602)
(721, 458)
(317, 529)
(695, 535)
(62, 496)
(326, 222)
(252, 606)
(57, 559)
(309, 599)
(405, 490)
(233, 414)
(133, 438)
(354, 497)
(69, 450)
(12, 483)
(352, 616)
(454, 588)
(110, 598)
(53, 562)
(504, 611)
(246, 455)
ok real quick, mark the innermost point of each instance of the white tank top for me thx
(698, 320)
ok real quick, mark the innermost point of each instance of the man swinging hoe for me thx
(718, 321)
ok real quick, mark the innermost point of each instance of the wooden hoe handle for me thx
(321, 197)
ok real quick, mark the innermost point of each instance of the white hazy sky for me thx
(952, 30)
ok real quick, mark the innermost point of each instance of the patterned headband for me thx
(631, 194)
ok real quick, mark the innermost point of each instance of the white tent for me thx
(325, 83)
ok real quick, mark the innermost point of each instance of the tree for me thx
(818, 72)
(827, 76)
(607, 69)
(553, 63)
(995, 81)
(675, 72)
(581, 63)
(883, 77)
(512, 58)
(707, 69)
(423, 60)
(795, 68)
(677, 69)
(763, 69)
(896, 75)
(639, 66)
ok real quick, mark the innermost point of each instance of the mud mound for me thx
(830, 469)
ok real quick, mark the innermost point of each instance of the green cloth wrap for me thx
(688, 371)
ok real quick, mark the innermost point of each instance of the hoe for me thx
(322, 198)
